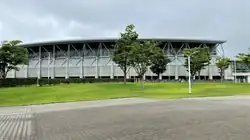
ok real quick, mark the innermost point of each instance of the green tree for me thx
(199, 58)
(11, 56)
(159, 62)
(222, 64)
(123, 49)
(244, 58)
(141, 57)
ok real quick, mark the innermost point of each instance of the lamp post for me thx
(235, 77)
(189, 76)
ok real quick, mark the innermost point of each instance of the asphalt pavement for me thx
(223, 118)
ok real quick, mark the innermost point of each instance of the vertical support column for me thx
(81, 66)
(112, 70)
(49, 66)
(225, 76)
(128, 73)
(53, 62)
(83, 61)
(144, 76)
(235, 71)
(151, 73)
(14, 74)
(210, 72)
(97, 60)
(160, 78)
(248, 79)
(27, 71)
(67, 63)
(176, 68)
(39, 63)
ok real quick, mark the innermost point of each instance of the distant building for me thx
(91, 58)
(240, 72)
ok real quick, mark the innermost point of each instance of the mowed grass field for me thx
(80, 92)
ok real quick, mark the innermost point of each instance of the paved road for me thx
(226, 118)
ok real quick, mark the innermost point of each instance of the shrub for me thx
(13, 82)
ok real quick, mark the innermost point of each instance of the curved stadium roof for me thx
(69, 41)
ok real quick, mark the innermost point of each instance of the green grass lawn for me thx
(78, 92)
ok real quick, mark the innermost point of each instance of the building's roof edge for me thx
(188, 40)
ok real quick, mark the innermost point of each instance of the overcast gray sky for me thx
(38, 20)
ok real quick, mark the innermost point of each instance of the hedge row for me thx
(43, 81)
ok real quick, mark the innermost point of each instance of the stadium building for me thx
(91, 58)
(240, 72)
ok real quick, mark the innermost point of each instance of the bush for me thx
(13, 82)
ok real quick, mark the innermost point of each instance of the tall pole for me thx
(235, 78)
(189, 75)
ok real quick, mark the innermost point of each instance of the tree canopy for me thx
(199, 59)
(142, 56)
(222, 63)
(11, 56)
(159, 62)
(123, 49)
(129, 52)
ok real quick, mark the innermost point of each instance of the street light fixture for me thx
(49, 69)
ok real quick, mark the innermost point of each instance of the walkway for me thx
(223, 118)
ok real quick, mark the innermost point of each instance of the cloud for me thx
(36, 20)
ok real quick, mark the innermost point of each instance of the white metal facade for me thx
(92, 58)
